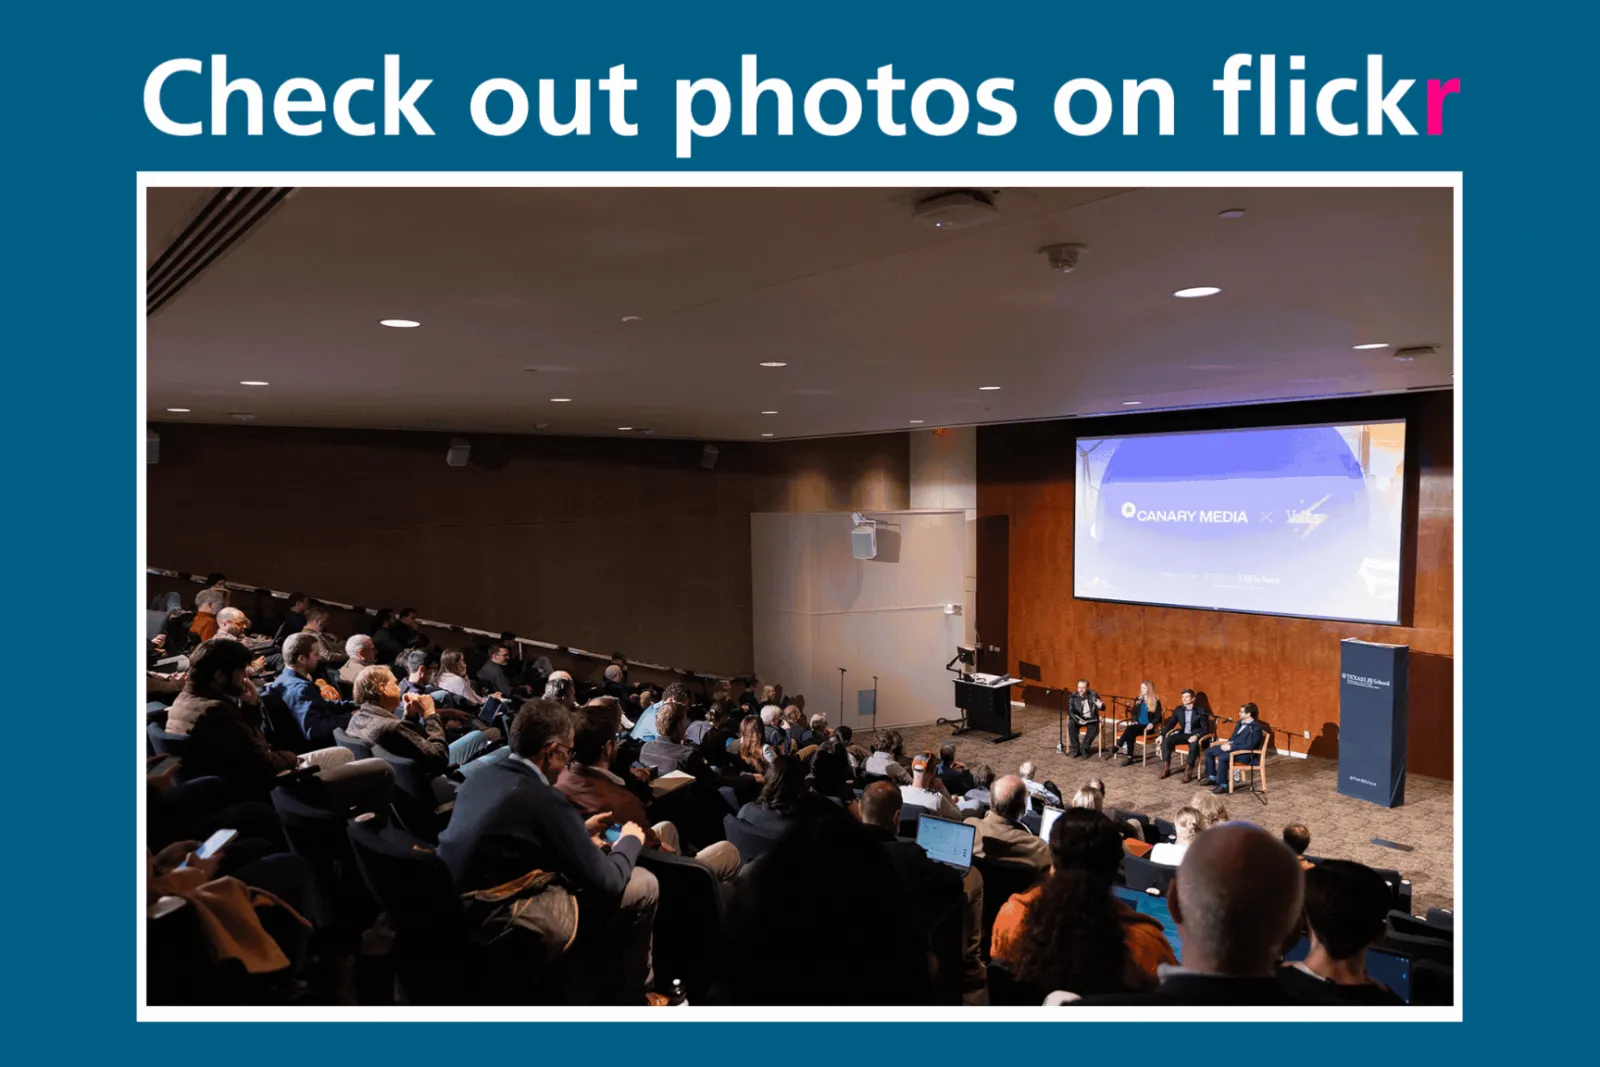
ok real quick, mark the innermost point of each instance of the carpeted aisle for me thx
(1298, 790)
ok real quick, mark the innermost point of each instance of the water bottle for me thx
(677, 998)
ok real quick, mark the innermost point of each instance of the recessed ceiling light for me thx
(252, 383)
(917, 422)
(561, 400)
(769, 413)
(1132, 403)
(1231, 213)
(766, 435)
(179, 411)
(1374, 344)
(624, 429)
(988, 388)
(775, 363)
(1198, 290)
(632, 318)
(400, 324)
(1403, 359)
(242, 416)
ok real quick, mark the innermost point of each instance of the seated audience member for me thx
(592, 788)
(207, 602)
(333, 654)
(469, 735)
(453, 678)
(784, 799)
(714, 732)
(933, 886)
(858, 755)
(404, 628)
(1189, 822)
(405, 724)
(831, 875)
(388, 645)
(616, 684)
(793, 724)
(748, 700)
(884, 762)
(1236, 899)
(1070, 932)
(774, 739)
(667, 753)
(750, 754)
(1298, 838)
(492, 675)
(1347, 909)
(360, 654)
(1247, 736)
(1043, 792)
(816, 731)
(831, 775)
(297, 687)
(716, 713)
(644, 727)
(509, 820)
(295, 615)
(219, 711)
(1212, 811)
(559, 688)
(233, 624)
(1091, 796)
(773, 694)
(975, 801)
(1001, 835)
(927, 792)
(955, 776)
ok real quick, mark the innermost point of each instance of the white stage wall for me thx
(815, 608)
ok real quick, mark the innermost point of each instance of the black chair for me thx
(1006, 991)
(1433, 984)
(317, 834)
(419, 806)
(156, 712)
(163, 743)
(280, 725)
(909, 820)
(1402, 923)
(1165, 830)
(1033, 820)
(1442, 918)
(357, 747)
(1419, 948)
(1140, 875)
(1001, 879)
(947, 950)
(751, 843)
(1397, 886)
(689, 921)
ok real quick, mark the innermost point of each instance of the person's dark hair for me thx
(538, 723)
(453, 661)
(508, 638)
(382, 617)
(412, 662)
(833, 872)
(983, 776)
(671, 720)
(216, 659)
(315, 613)
(720, 712)
(214, 577)
(830, 770)
(947, 753)
(498, 646)
(1250, 710)
(677, 693)
(595, 726)
(786, 780)
(295, 598)
(1072, 935)
(1297, 837)
(297, 645)
(845, 734)
(1347, 906)
(407, 611)
(890, 742)
(1189, 691)
(558, 689)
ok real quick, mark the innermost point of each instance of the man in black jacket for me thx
(1188, 725)
(509, 820)
(1083, 718)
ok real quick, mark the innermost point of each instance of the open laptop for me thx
(1047, 820)
(1155, 907)
(947, 842)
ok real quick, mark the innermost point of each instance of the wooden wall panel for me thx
(1289, 667)
(601, 544)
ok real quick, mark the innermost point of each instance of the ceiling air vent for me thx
(225, 218)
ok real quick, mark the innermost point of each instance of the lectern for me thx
(985, 705)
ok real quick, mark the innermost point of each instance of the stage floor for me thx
(1300, 790)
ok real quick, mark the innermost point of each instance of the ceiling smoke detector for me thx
(955, 210)
(1063, 257)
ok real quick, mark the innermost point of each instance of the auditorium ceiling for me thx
(587, 311)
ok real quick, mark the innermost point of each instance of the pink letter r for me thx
(1436, 94)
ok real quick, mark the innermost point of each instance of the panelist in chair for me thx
(1188, 724)
(1247, 736)
(1144, 719)
(1083, 718)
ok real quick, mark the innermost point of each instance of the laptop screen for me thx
(945, 841)
(1156, 908)
(1392, 970)
(1048, 820)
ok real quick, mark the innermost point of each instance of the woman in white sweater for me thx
(453, 677)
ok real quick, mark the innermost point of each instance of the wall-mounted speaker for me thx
(864, 542)
(708, 456)
(458, 452)
(152, 447)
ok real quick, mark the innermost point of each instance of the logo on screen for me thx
(1128, 510)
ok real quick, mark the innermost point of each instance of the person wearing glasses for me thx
(509, 819)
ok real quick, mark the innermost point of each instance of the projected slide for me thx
(1301, 520)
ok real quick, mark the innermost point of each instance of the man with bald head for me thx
(1236, 900)
(933, 885)
(1001, 834)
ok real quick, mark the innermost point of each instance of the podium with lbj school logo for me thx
(1372, 721)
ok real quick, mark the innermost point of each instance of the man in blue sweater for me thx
(297, 687)
(509, 820)
(1246, 737)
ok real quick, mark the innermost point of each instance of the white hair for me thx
(355, 643)
(210, 598)
(613, 673)
(771, 714)
(1026, 771)
(229, 616)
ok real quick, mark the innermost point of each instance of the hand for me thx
(162, 781)
(633, 830)
(641, 773)
(1227, 746)
(497, 696)
(169, 858)
(1194, 739)
(596, 824)
(249, 695)
(257, 663)
(159, 640)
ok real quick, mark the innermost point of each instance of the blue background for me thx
(74, 135)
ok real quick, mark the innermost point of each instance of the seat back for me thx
(163, 743)
(156, 712)
(409, 777)
(280, 725)
(317, 834)
(1006, 991)
(689, 921)
(1433, 984)
(1419, 948)
(1001, 878)
(1401, 922)
(1443, 918)
(1165, 829)
(357, 747)
(1140, 875)
(751, 843)
(406, 878)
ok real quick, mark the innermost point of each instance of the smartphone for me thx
(215, 843)
(613, 833)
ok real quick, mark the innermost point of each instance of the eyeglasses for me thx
(566, 750)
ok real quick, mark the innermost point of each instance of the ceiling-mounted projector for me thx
(955, 210)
